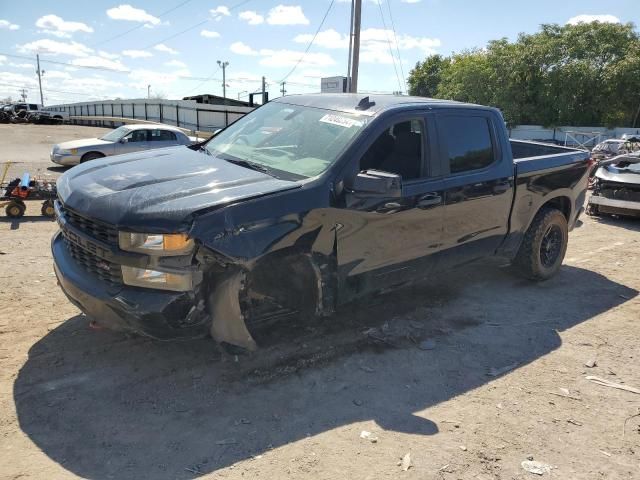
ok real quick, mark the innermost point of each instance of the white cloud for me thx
(410, 1)
(2, 59)
(209, 34)
(100, 62)
(592, 18)
(110, 56)
(175, 63)
(57, 74)
(8, 25)
(54, 25)
(22, 65)
(242, 49)
(220, 12)
(327, 39)
(53, 47)
(132, 14)
(374, 43)
(142, 77)
(287, 15)
(161, 47)
(137, 53)
(251, 17)
(289, 58)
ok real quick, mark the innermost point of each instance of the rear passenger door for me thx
(478, 185)
(160, 138)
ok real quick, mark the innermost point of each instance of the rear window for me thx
(162, 136)
(468, 142)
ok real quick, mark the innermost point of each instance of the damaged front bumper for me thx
(615, 206)
(162, 315)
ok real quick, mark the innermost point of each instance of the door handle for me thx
(429, 200)
(501, 187)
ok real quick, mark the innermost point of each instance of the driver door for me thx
(135, 141)
(383, 241)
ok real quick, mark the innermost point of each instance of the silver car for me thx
(125, 139)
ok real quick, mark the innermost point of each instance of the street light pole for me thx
(148, 91)
(224, 66)
(40, 73)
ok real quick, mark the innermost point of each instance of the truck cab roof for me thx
(371, 104)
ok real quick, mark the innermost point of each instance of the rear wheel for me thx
(90, 156)
(544, 245)
(47, 209)
(15, 209)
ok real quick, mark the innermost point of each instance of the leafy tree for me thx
(585, 74)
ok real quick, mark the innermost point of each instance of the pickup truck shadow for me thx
(105, 405)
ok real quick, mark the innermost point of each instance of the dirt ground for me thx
(501, 379)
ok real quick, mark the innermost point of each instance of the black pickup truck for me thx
(304, 204)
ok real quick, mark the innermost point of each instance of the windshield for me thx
(116, 134)
(300, 141)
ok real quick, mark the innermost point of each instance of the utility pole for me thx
(282, 90)
(148, 91)
(23, 94)
(40, 73)
(350, 49)
(224, 65)
(264, 88)
(355, 62)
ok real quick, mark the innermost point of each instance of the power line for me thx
(140, 25)
(395, 37)
(231, 8)
(310, 43)
(51, 90)
(386, 34)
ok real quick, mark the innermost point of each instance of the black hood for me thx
(160, 188)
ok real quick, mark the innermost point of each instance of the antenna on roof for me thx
(365, 103)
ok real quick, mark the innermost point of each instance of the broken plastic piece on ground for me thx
(537, 468)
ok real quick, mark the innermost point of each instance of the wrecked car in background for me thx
(125, 139)
(616, 187)
(304, 204)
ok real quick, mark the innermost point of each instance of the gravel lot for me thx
(504, 382)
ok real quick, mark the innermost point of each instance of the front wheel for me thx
(15, 209)
(544, 245)
(87, 157)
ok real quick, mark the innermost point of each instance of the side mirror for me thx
(124, 140)
(375, 183)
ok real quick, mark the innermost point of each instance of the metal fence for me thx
(182, 113)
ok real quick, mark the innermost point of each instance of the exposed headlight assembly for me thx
(142, 277)
(156, 243)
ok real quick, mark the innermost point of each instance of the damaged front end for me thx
(617, 187)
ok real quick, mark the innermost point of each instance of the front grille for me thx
(620, 192)
(103, 269)
(93, 228)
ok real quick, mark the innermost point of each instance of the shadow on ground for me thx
(104, 405)
(15, 222)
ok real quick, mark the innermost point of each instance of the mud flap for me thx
(228, 322)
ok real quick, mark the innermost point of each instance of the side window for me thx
(137, 136)
(468, 142)
(33, 106)
(397, 150)
(162, 136)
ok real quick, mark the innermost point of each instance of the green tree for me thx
(585, 74)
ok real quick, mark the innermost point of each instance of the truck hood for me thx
(159, 190)
(85, 142)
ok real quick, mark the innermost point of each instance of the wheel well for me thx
(289, 269)
(90, 153)
(560, 203)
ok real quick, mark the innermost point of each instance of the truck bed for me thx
(529, 157)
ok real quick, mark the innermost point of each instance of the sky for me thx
(98, 50)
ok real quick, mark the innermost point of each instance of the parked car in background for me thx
(125, 139)
(616, 187)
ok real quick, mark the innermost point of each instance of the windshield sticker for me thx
(341, 121)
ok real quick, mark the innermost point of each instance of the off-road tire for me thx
(90, 156)
(15, 210)
(532, 260)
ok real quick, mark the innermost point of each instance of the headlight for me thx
(155, 243)
(73, 151)
(141, 277)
